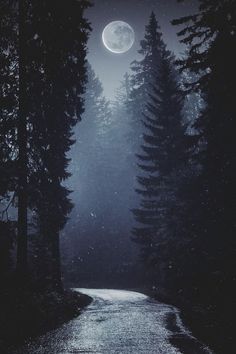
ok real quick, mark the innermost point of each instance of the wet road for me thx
(119, 322)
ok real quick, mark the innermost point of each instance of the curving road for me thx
(119, 322)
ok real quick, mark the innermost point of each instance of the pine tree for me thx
(8, 119)
(95, 121)
(163, 161)
(59, 65)
(41, 101)
(22, 192)
(123, 92)
(143, 74)
(211, 36)
(212, 32)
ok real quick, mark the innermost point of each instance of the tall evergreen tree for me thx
(22, 186)
(212, 32)
(60, 43)
(47, 77)
(211, 36)
(143, 74)
(8, 119)
(163, 161)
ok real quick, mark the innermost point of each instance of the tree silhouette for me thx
(211, 36)
(8, 122)
(163, 160)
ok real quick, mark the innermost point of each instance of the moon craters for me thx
(118, 37)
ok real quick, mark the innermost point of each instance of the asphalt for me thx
(119, 321)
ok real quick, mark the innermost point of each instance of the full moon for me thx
(118, 37)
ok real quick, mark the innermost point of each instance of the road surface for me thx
(122, 322)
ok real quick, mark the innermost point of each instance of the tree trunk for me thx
(22, 145)
(56, 261)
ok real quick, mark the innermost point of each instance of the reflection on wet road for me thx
(118, 322)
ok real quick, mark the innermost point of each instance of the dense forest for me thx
(43, 75)
(139, 194)
(185, 218)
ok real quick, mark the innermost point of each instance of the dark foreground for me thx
(119, 322)
(27, 314)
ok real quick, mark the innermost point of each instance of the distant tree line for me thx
(102, 178)
(43, 76)
(185, 221)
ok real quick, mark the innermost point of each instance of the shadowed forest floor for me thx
(26, 314)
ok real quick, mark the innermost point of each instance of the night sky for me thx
(110, 67)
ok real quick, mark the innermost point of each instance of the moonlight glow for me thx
(118, 37)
